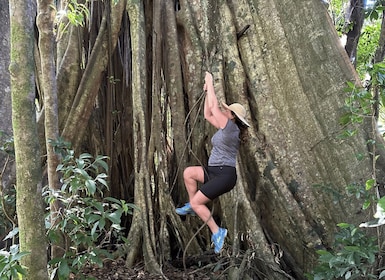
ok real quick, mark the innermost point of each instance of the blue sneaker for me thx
(219, 239)
(185, 210)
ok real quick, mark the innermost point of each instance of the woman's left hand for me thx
(208, 81)
(208, 78)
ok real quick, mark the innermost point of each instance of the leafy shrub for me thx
(353, 256)
(88, 220)
(7, 212)
(9, 263)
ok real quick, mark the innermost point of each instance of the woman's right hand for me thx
(208, 79)
(212, 111)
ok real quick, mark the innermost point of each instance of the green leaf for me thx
(98, 205)
(102, 181)
(345, 119)
(348, 275)
(92, 218)
(102, 223)
(20, 271)
(85, 156)
(374, 15)
(112, 199)
(353, 248)
(343, 225)
(81, 172)
(95, 226)
(64, 270)
(366, 204)
(60, 167)
(14, 249)
(12, 233)
(382, 99)
(115, 216)
(91, 186)
(101, 161)
(381, 203)
(80, 164)
(18, 256)
(369, 184)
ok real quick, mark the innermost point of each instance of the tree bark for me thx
(45, 23)
(29, 202)
(5, 88)
(143, 220)
(7, 163)
(355, 21)
(87, 90)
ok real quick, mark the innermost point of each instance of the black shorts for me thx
(218, 180)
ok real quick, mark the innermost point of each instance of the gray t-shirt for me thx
(225, 146)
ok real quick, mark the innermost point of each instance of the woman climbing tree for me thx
(220, 175)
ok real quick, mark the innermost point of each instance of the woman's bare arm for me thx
(212, 112)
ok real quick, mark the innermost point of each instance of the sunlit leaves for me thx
(10, 267)
(379, 215)
(77, 13)
(358, 106)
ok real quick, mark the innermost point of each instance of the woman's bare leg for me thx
(198, 204)
(192, 175)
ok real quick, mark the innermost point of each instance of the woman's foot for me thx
(185, 210)
(218, 239)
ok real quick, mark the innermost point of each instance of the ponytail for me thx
(243, 131)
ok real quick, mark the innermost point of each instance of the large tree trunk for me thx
(294, 161)
(29, 201)
(143, 220)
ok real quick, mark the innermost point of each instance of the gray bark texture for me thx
(5, 87)
(7, 166)
(29, 201)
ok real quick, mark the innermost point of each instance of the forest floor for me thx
(207, 266)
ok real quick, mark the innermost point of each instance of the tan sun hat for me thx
(238, 110)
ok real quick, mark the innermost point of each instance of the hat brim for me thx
(238, 116)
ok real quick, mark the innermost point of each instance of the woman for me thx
(220, 176)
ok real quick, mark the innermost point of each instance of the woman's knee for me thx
(187, 173)
(193, 173)
(199, 200)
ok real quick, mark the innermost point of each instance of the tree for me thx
(293, 172)
(278, 66)
(6, 125)
(7, 165)
(29, 204)
(367, 20)
(130, 81)
(45, 21)
(355, 20)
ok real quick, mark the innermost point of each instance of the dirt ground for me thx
(207, 267)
